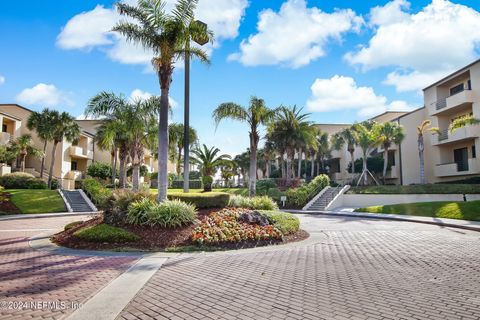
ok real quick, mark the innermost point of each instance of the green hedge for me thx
(21, 180)
(194, 184)
(203, 200)
(286, 222)
(96, 191)
(105, 233)
(300, 196)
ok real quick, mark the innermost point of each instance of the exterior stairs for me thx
(320, 203)
(77, 202)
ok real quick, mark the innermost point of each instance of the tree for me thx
(255, 115)
(347, 136)
(176, 134)
(323, 148)
(228, 170)
(389, 133)
(168, 35)
(64, 128)
(367, 140)
(108, 138)
(23, 146)
(421, 129)
(209, 161)
(242, 162)
(40, 122)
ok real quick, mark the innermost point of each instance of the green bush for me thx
(300, 196)
(122, 198)
(193, 184)
(72, 225)
(255, 203)
(105, 233)
(143, 171)
(203, 200)
(286, 222)
(168, 214)
(207, 183)
(264, 185)
(100, 170)
(275, 194)
(96, 191)
(21, 180)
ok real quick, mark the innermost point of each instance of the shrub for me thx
(223, 226)
(100, 170)
(121, 199)
(193, 184)
(168, 214)
(286, 222)
(300, 196)
(21, 180)
(96, 191)
(203, 200)
(72, 225)
(207, 183)
(256, 203)
(143, 171)
(105, 233)
(275, 194)
(264, 185)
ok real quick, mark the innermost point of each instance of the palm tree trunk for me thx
(135, 176)
(179, 159)
(114, 166)
(52, 163)
(253, 167)
(123, 171)
(312, 169)
(422, 160)
(163, 142)
(385, 163)
(282, 167)
(22, 163)
(365, 178)
(352, 157)
(299, 171)
(267, 168)
(42, 166)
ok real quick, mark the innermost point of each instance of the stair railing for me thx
(314, 199)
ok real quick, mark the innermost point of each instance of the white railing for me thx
(311, 202)
(344, 189)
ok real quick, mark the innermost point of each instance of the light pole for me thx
(186, 113)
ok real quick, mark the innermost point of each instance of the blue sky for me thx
(342, 60)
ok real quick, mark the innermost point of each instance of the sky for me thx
(342, 61)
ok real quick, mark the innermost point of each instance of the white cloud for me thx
(92, 29)
(43, 94)
(342, 93)
(294, 36)
(138, 94)
(2, 80)
(423, 46)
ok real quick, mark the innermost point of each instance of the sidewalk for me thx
(348, 212)
(44, 215)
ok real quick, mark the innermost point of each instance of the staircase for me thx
(77, 202)
(324, 200)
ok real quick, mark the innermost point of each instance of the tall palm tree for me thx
(209, 161)
(421, 130)
(40, 122)
(64, 129)
(389, 133)
(323, 148)
(168, 35)
(347, 136)
(255, 115)
(306, 141)
(242, 162)
(107, 138)
(176, 134)
(367, 140)
(23, 146)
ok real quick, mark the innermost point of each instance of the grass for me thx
(238, 191)
(419, 189)
(440, 209)
(286, 222)
(105, 233)
(37, 201)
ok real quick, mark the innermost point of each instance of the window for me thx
(73, 165)
(469, 84)
(457, 89)
(391, 158)
(474, 152)
(4, 128)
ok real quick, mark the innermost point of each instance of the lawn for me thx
(441, 209)
(240, 191)
(419, 189)
(37, 201)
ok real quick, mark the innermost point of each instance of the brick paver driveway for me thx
(38, 285)
(358, 269)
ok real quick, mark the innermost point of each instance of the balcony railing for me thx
(456, 99)
(463, 133)
(470, 166)
(76, 151)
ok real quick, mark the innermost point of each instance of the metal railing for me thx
(442, 103)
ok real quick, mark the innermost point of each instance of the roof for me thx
(16, 105)
(409, 113)
(10, 116)
(452, 74)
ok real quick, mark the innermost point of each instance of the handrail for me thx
(442, 103)
(309, 204)
(340, 193)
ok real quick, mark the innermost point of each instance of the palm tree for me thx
(388, 133)
(323, 148)
(347, 136)
(209, 161)
(367, 139)
(242, 162)
(23, 146)
(64, 129)
(168, 35)
(107, 138)
(421, 129)
(40, 122)
(176, 134)
(255, 115)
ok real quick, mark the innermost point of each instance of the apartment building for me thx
(72, 159)
(448, 156)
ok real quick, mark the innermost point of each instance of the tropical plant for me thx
(421, 130)
(168, 36)
(323, 148)
(228, 171)
(99, 170)
(176, 133)
(255, 115)
(463, 121)
(348, 137)
(64, 128)
(367, 140)
(209, 161)
(40, 122)
(389, 133)
(23, 146)
(242, 161)
(109, 137)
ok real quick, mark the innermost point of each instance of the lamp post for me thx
(186, 113)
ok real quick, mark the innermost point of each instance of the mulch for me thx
(7, 206)
(157, 239)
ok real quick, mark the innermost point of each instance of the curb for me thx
(414, 219)
(46, 215)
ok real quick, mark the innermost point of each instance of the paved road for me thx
(38, 285)
(354, 269)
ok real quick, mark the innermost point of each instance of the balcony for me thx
(74, 175)
(5, 138)
(455, 169)
(453, 102)
(79, 152)
(392, 173)
(464, 133)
